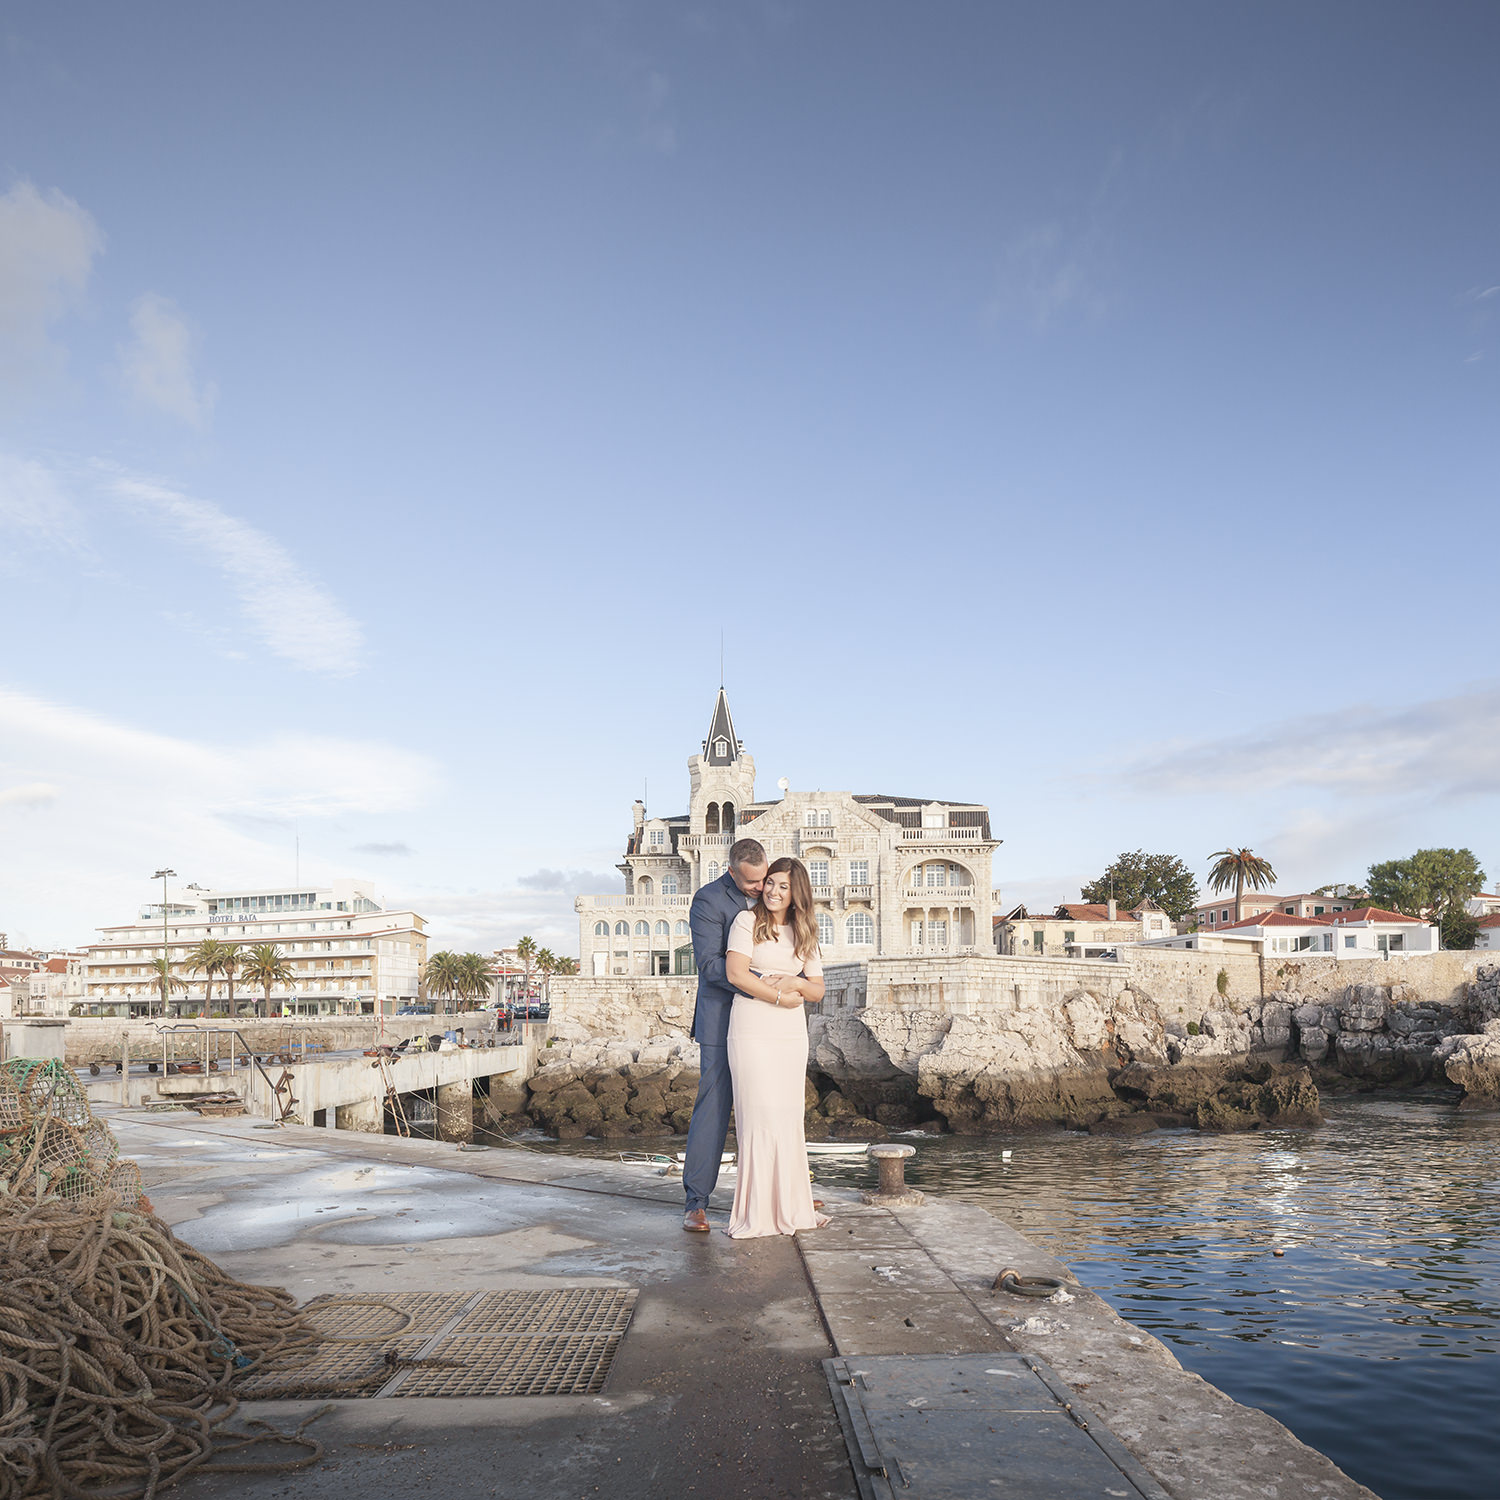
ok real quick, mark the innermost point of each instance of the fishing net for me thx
(50, 1143)
(119, 1346)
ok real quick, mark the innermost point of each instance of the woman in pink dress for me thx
(773, 965)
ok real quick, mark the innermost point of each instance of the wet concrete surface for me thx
(717, 1389)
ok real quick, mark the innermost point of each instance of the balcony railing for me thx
(857, 892)
(704, 840)
(937, 895)
(944, 835)
(608, 903)
(822, 893)
(941, 950)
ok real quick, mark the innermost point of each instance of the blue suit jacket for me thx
(714, 909)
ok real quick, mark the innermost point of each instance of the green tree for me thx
(266, 965)
(1134, 878)
(526, 952)
(207, 959)
(1239, 868)
(476, 978)
(567, 966)
(1460, 928)
(546, 966)
(230, 959)
(443, 975)
(1435, 883)
(166, 980)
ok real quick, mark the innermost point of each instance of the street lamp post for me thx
(166, 961)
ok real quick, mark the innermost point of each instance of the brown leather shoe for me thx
(695, 1221)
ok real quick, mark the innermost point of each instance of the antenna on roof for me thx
(645, 792)
(721, 661)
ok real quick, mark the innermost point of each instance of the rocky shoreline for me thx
(1108, 1065)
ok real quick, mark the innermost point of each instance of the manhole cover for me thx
(557, 1342)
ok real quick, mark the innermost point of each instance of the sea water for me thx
(1375, 1337)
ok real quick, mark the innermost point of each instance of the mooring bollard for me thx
(892, 1192)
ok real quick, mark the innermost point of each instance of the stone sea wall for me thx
(979, 1044)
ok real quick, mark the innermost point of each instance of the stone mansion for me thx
(890, 875)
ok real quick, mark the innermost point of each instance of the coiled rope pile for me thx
(118, 1344)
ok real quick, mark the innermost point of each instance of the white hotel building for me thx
(890, 875)
(349, 955)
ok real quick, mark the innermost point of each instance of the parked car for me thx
(537, 1010)
(414, 1010)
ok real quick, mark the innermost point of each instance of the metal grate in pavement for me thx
(559, 1341)
(525, 1365)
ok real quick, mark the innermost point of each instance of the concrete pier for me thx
(455, 1111)
(719, 1386)
(367, 1115)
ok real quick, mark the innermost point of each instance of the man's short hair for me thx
(746, 852)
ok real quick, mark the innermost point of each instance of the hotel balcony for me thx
(704, 840)
(937, 895)
(858, 893)
(822, 893)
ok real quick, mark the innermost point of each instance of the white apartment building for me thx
(348, 954)
(890, 875)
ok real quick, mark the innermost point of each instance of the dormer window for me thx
(658, 837)
(721, 749)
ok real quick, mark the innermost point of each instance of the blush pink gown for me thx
(768, 1062)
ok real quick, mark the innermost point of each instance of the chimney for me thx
(1112, 908)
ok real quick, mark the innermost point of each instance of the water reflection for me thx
(1374, 1337)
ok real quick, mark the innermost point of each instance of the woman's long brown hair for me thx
(800, 916)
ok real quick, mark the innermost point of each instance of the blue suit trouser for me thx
(709, 1125)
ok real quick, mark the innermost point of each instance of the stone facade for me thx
(891, 875)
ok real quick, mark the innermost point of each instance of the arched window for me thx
(663, 929)
(859, 928)
(712, 873)
(669, 885)
(643, 886)
(682, 929)
(622, 929)
(601, 929)
(825, 930)
(643, 929)
(711, 818)
(727, 819)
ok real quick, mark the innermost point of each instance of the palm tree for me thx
(206, 959)
(566, 966)
(546, 966)
(231, 956)
(526, 952)
(1239, 868)
(266, 966)
(476, 978)
(168, 981)
(443, 974)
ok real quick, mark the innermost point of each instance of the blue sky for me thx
(1090, 409)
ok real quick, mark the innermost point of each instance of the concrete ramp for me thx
(959, 1427)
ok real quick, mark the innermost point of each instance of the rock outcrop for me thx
(1471, 1059)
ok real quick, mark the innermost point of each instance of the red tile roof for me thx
(1493, 920)
(1274, 919)
(1375, 914)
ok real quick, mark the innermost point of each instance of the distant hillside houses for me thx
(1219, 912)
(1077, 929)
(1359, 932)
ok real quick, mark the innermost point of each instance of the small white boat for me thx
(836, 1148)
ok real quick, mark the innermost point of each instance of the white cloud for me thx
(158, 362)
(1442, 749)
(289, 611)
(28, 794)
(1044, 271)
(481, 921)
(98, 804)
(47, 249)
(34, 506)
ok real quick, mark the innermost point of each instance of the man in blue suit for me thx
(714, 909)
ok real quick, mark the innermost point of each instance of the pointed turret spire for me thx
(721, 747)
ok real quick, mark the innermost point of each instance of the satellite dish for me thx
(784, 784)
